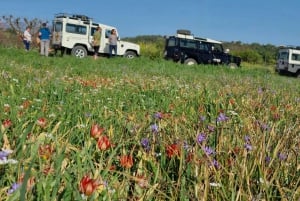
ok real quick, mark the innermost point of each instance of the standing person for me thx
(96, 41)
(27, 38)
(113, 38)
(45, 39)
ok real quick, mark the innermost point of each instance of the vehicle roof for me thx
(184, 36)
(80, 19)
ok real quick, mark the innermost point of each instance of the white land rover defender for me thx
(288, 60)
(75, 33)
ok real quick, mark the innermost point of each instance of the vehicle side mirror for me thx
(227, 51)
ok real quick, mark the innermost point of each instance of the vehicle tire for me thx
(232, 65)
(130, 55)
(190, 62)
(79, 51)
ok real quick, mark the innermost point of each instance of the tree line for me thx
(152, 46)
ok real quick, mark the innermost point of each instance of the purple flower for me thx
(247, 138)
(201, 138)
(202, 118)
(248, 147)
(154, 128)
(208, 151)
(145, 144)
(268, 159)
(158, 115)
(222, 117)
(13, 188)
(211, 128)
(282, 156)
(216, 164)
(186, 146)
(3, 155)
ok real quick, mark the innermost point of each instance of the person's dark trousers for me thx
(111, 48)
(27, 44)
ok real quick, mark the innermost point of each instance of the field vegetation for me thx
(145, 129)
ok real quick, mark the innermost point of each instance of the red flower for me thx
(7, 123)
(103, 143)
(45, 151)
(96, 131)
(41, 122)
(87, 185)
(126, 161)
(173, 150)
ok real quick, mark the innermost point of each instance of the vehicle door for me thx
(57, 34)
(75, 34)
(188, 49)
(204, 53)
(218, 55)
(172, 49)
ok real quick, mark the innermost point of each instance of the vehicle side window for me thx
(107, 33)
(296, 57)
(171, 42)
(203, 46)
(188, 43)
(93, 29)
(77, 29)
(218, 48)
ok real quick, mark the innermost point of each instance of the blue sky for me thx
(256, 21)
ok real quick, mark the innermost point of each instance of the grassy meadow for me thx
(142, 129)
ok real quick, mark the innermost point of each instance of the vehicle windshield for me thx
(283, 55)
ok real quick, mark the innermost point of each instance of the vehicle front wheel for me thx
(190, 61)
(79, 51)
(232, 65)
(130, 55)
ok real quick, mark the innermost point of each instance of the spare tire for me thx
(184, 31)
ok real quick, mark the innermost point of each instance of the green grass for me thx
(126, 97)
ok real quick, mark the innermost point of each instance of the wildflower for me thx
(208, 151)
(45, 151)
(201, 137)
(142, 181)
(7, 123)
(222, 117)
(96, 131)
(41, 122)
(103, 143)
(248, 147)
(282, 156)
(145, 144)
(216, 164)
(4, 154)
(158, 115)
(3, 157)
(87, 185)
(186, 146)
(14, 187)
(173, 150)
(211, 128)
(126, 161)
(202, 118)
(154, 128)
(6, 107)
(268, 159)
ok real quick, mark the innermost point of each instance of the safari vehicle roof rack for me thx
(289, 47)
(73, 16)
